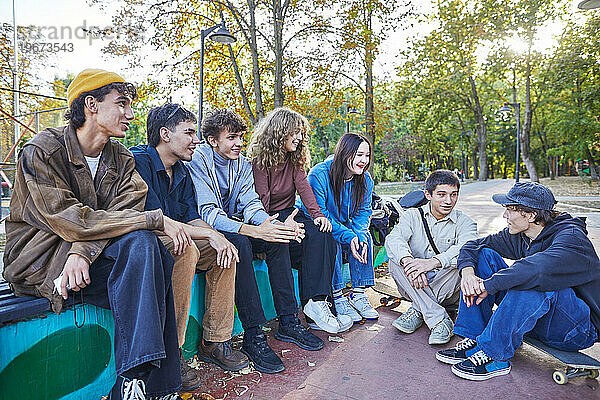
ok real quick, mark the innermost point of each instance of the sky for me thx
(68, 19)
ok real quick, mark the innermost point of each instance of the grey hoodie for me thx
(244, 204)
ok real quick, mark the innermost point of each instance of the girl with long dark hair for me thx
(343, 189)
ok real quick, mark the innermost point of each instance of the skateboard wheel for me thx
(560, 377)
(383, 301)
(594, 373)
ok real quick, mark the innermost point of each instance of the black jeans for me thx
(314, 257)
(132, 277)
(247, 299)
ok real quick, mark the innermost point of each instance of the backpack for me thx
(385, 215)
(417, 199)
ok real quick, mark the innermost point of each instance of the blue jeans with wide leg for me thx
(360, 274)
(558, 318)
(132, 278)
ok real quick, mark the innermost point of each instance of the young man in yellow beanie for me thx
(77, 224)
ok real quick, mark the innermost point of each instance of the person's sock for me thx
(287, 319)
(251, 331)
(358, 290)
(321, 297)
(141, 371)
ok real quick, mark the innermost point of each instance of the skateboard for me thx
(389, 292)
(577, 363)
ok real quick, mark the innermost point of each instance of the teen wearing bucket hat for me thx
(556, 273)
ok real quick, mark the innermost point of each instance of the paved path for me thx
(375, 361)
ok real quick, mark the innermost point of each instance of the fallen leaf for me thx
(336, 339)
(186, 396)
(374, 327)
(246, 370)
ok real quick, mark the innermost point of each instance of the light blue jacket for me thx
(244, 204)
(344, 226)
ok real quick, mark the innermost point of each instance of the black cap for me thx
(528, 194)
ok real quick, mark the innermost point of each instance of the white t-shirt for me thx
(93, 163)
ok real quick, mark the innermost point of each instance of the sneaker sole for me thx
(441, 341)
(316, 327)
(473, 377)
(260, 368)
(448, 360)
(190, 388)
(221, 365)
(289, 339)
(407, 331)
(313, 316)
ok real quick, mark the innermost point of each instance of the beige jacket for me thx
(408, 238)
(57, 209)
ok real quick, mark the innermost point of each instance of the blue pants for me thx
(360, 274)
(132, 277)
(558, 318)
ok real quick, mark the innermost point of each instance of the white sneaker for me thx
(172, 396)
(360, 302)
(345, 322)
(342, 306)
(134, 389)
(320, 313)
(409, 321)
(442, 332)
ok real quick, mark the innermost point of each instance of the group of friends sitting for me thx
(127, 230)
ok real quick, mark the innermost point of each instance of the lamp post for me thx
(222, 35)
(349, 111)
(507, 107)
(462, 158)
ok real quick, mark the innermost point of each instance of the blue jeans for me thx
(132, 278)
(558, 318)
(360, 274)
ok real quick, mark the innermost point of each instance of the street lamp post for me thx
(517, 109)
(222, 35)
(349, 111)
(462, 158)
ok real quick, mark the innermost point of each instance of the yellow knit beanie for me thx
(90, 79)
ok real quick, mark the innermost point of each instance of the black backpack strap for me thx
(427, 231)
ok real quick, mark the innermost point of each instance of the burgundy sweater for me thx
(278, 185)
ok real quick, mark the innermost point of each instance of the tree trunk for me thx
(481, 129)
(369, 104)
(260, 110)
(475, 166)
(526, 130)
(593, 166)
(278, 16)
(238, 79)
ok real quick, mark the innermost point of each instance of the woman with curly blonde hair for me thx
(279, 154)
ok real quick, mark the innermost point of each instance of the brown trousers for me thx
(219, 296)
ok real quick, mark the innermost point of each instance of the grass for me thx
(397, 188)
(572, 186)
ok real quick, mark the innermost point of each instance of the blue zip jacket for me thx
(344, 226)
(560, 257)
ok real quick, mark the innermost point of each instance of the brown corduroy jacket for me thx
(57, 209)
